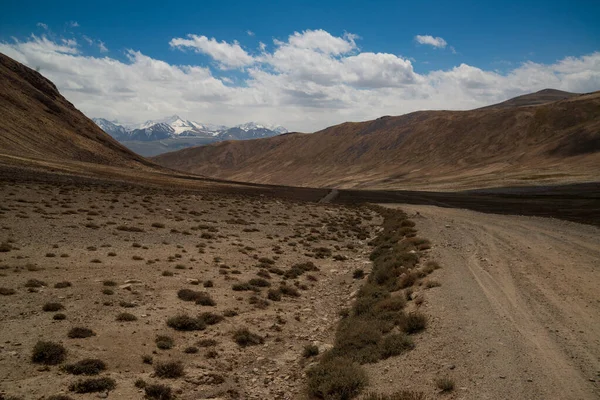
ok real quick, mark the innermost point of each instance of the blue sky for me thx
(491, 40)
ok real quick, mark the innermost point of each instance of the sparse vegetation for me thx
(184, 322)
(445, 384)
(93, 385)
(164, 342)
(80, 333)
(48, 353)
(126, 317)
(244, 337)
(48, 307)
(158, 392)
(169, 369)
(88, 366)
(336, 379)
(310, 350)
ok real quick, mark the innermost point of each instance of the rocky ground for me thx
(132, 250)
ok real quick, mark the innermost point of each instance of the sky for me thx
(305, 65)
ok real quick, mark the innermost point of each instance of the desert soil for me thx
(517, 315)
(70, 233)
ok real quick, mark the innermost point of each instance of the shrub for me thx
(169, 369)
(210, 318)
(243, 286)
(208, 283)
(35, 283)
(395, 344)
(274, 295)
(52, 307)
(244, 337)
(358, 339)
(146, 359)
(164, 342)
(59, 397)
(126, 317)
(358, 274)
(62, 285)
(158, 392)
(88, 366)
(129, 228)
(184, 322)
(92, 385)
(414, 322)
(204, 299)
(5, 247)
(109, 283)
(80, 333)
(108, 292)
(401, 395)
(191, 350)
(207, 343)
(310, 350)
(167, 273)
(395, 303)
(259, 282)
(445, 384)
(59, 317)
(336, 379)
(140, 383)
(187, 294)
(289, 291)
(127, 304)
(158, 225)
(7, 291)
(48, 353)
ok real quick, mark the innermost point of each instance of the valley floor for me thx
(518, 313)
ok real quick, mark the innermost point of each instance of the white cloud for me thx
(88, 40)
(436, 42)
(229, 55)
(249, 32)
(262, 46)
(42, 25)
(303, 83)
(102, 47)
(74, 24)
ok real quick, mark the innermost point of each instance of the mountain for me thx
(494, 146)
(37, 122)
(251, 130)
(533, 99)
(172, 133)
(115, 130)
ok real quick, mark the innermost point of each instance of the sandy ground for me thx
(517, 315)
(70, 233)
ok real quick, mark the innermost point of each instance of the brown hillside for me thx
(534, 99)
(37, 122)
(552, 143)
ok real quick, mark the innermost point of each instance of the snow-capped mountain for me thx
(115, 130)
(183, 126)
(177, 127)
(250, 126)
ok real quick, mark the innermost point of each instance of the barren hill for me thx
(557, 142)
(37, 122)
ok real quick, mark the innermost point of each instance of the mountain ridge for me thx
(491, 145)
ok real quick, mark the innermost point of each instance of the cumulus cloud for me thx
(310, 80)
(42, 25)
(436, 42)
(228, 54)
(249, 32)
(74, 24)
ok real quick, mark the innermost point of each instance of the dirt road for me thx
(518, 312)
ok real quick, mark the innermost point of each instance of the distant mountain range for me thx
(177, 127)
